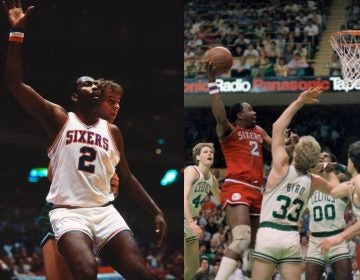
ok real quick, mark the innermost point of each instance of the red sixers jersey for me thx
(242, 150)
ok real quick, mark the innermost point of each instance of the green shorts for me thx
(44, 229)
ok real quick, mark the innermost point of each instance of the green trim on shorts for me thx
(326, 233)
(191, 239)
(265, 257)
(315, 260)
(339, 257)
(330, 261)
(273, 260)
(278, 226)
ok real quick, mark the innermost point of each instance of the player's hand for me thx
(210, 71)
(114, 184)
(160, 228)
(16, 17)
(310, 95)
(330, 242)
(196, 230)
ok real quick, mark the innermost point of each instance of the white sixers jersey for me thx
(199, 190)
(326, 212)
(286, 203)
(83, 160)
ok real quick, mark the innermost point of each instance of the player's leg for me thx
(124, 255)
(313, 271)
(342, 269)
(290, 271)
(55, 266)
(191, 258)
(254, 223)
(77, 249)
(238, 218)
(262, 270)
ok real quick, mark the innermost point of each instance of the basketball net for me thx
(347, 45)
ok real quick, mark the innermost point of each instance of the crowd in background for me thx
(20, 252)
(265, 39)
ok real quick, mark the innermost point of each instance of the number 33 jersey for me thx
(286, 202)
(83, 160)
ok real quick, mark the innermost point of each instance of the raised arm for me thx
(223, 126)
(134, 189)
(280, 158)
(50, 115)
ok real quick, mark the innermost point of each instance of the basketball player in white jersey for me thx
(353, 191)
(327, 219)
(288, 189)
(84, 153)
(54, 264)
(198, 183)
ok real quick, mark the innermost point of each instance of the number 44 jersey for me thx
(83, 160)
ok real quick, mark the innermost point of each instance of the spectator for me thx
(296, 65)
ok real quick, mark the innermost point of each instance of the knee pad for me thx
(241, 238)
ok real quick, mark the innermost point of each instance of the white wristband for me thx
(213, 88)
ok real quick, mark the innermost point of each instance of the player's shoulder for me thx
(192, 171)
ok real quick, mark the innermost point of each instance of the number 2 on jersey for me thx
(88, 155)
(254, 148)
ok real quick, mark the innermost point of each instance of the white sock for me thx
(227, 267)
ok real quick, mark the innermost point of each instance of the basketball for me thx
(221, 58)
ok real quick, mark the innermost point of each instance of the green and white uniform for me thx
(199, 190)
(278, 238)
(327, 219)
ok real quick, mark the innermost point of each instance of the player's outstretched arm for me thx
(50, 115)
(217, 106)
(134, 189)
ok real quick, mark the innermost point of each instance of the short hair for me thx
(332, 156)
(354, 154)
(104, 84)
(197, 149)
(234, 110)
(307, 153)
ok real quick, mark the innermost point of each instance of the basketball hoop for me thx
(347, 45)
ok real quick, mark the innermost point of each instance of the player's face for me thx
(350, 166)
(109, 107)
(249, 115)
(206, 156)
(325, 157)
(88, 90)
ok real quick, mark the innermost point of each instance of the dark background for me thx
(139, 45)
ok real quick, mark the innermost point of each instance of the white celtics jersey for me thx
(326, 213)
(199, 190)
(285, 204)
(355, 207)
(83, 160)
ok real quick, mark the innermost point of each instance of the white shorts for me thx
(277, 246)
(99, 223)
(189, 235)
(338, 252)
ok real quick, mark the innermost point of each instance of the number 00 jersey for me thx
(285, 204)
(326, 212)
(242, 150)
(199, 190)
(83, 160)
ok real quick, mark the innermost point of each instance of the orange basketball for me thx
(221, 58)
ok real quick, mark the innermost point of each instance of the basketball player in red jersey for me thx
(241, 142)
(88, 148)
